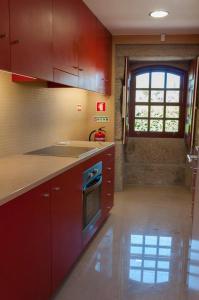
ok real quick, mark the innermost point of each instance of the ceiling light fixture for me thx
(159, 13)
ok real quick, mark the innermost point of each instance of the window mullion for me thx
(165, 86)
(149, 110)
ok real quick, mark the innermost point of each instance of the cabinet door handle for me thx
(2, 36)
(108, 154)
(81, 69)
(109, 194)
(14, 42)
(46, 195)
(74, 67)
(57, 188)
(109, 169)
(109, 181)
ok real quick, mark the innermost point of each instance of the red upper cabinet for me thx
(108, 61)
(103, 59)
(67, 219)
(25, 246)
(66, 28)
(31, 38)
(87, 49)
(4, 36)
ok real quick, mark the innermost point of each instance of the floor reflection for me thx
(150, 258)
(193, 268)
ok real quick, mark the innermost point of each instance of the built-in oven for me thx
(92, 184)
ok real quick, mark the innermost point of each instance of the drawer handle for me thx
(57, 188)
(109, 194)
(46, 195)
(109, 169)
(75, 67)
(109, 181)
(2, 36)
(108, 154)
(14, 42)
(81, 70)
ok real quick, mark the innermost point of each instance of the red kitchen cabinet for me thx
(108, 61)
(25, 246)
(108, 181)
(66, 222)
(4, 36)
(87, 49)
(103, 60)
(66, 27)
(31, 38)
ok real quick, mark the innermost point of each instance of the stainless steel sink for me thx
(63, 151)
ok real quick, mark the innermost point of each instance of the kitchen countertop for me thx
(20, 173)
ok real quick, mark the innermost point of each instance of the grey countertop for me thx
(20, 173)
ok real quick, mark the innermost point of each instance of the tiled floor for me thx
(140, 253)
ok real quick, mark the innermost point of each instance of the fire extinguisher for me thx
(99, 135)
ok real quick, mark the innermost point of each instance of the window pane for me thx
(157, 96)
(172, 111)
(148, 263)
(142, 96)
(171, 126)
(136, 263)
(149, 276)
(156, 125)
(164, 251)
(135, 275)
(162, 276)
(173, 81)
(157, 111)
(173, 96)
(151, 240)
(157, 80)
(150, 251)
(165, 241)
(142, 81)
(141, 125)
(163, 264)
(141, 111)
(136, 239)
(136, 250)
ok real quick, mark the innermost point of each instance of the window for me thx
(157, 105)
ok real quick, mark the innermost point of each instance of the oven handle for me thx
(94, 186)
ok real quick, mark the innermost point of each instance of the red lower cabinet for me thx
(108, 181)
(25, 247)
(66, 223)
(41, 232)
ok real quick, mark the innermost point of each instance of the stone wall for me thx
(155, 161)
(156, 172)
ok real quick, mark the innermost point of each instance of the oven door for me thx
(92, 203)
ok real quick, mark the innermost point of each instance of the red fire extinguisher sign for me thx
(101, 106)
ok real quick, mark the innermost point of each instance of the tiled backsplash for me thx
(33, 116)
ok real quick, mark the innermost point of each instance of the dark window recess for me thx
(157, 106)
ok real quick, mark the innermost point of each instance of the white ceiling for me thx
(127, 17)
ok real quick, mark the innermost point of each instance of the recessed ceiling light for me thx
(159, 13)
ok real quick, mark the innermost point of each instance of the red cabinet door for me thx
(4, 36)
(108, 181)
(25, 246)
(66, 222)
(65, 38)
(31, 38)
(108, 61)
(103, 60)
(87, 49)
